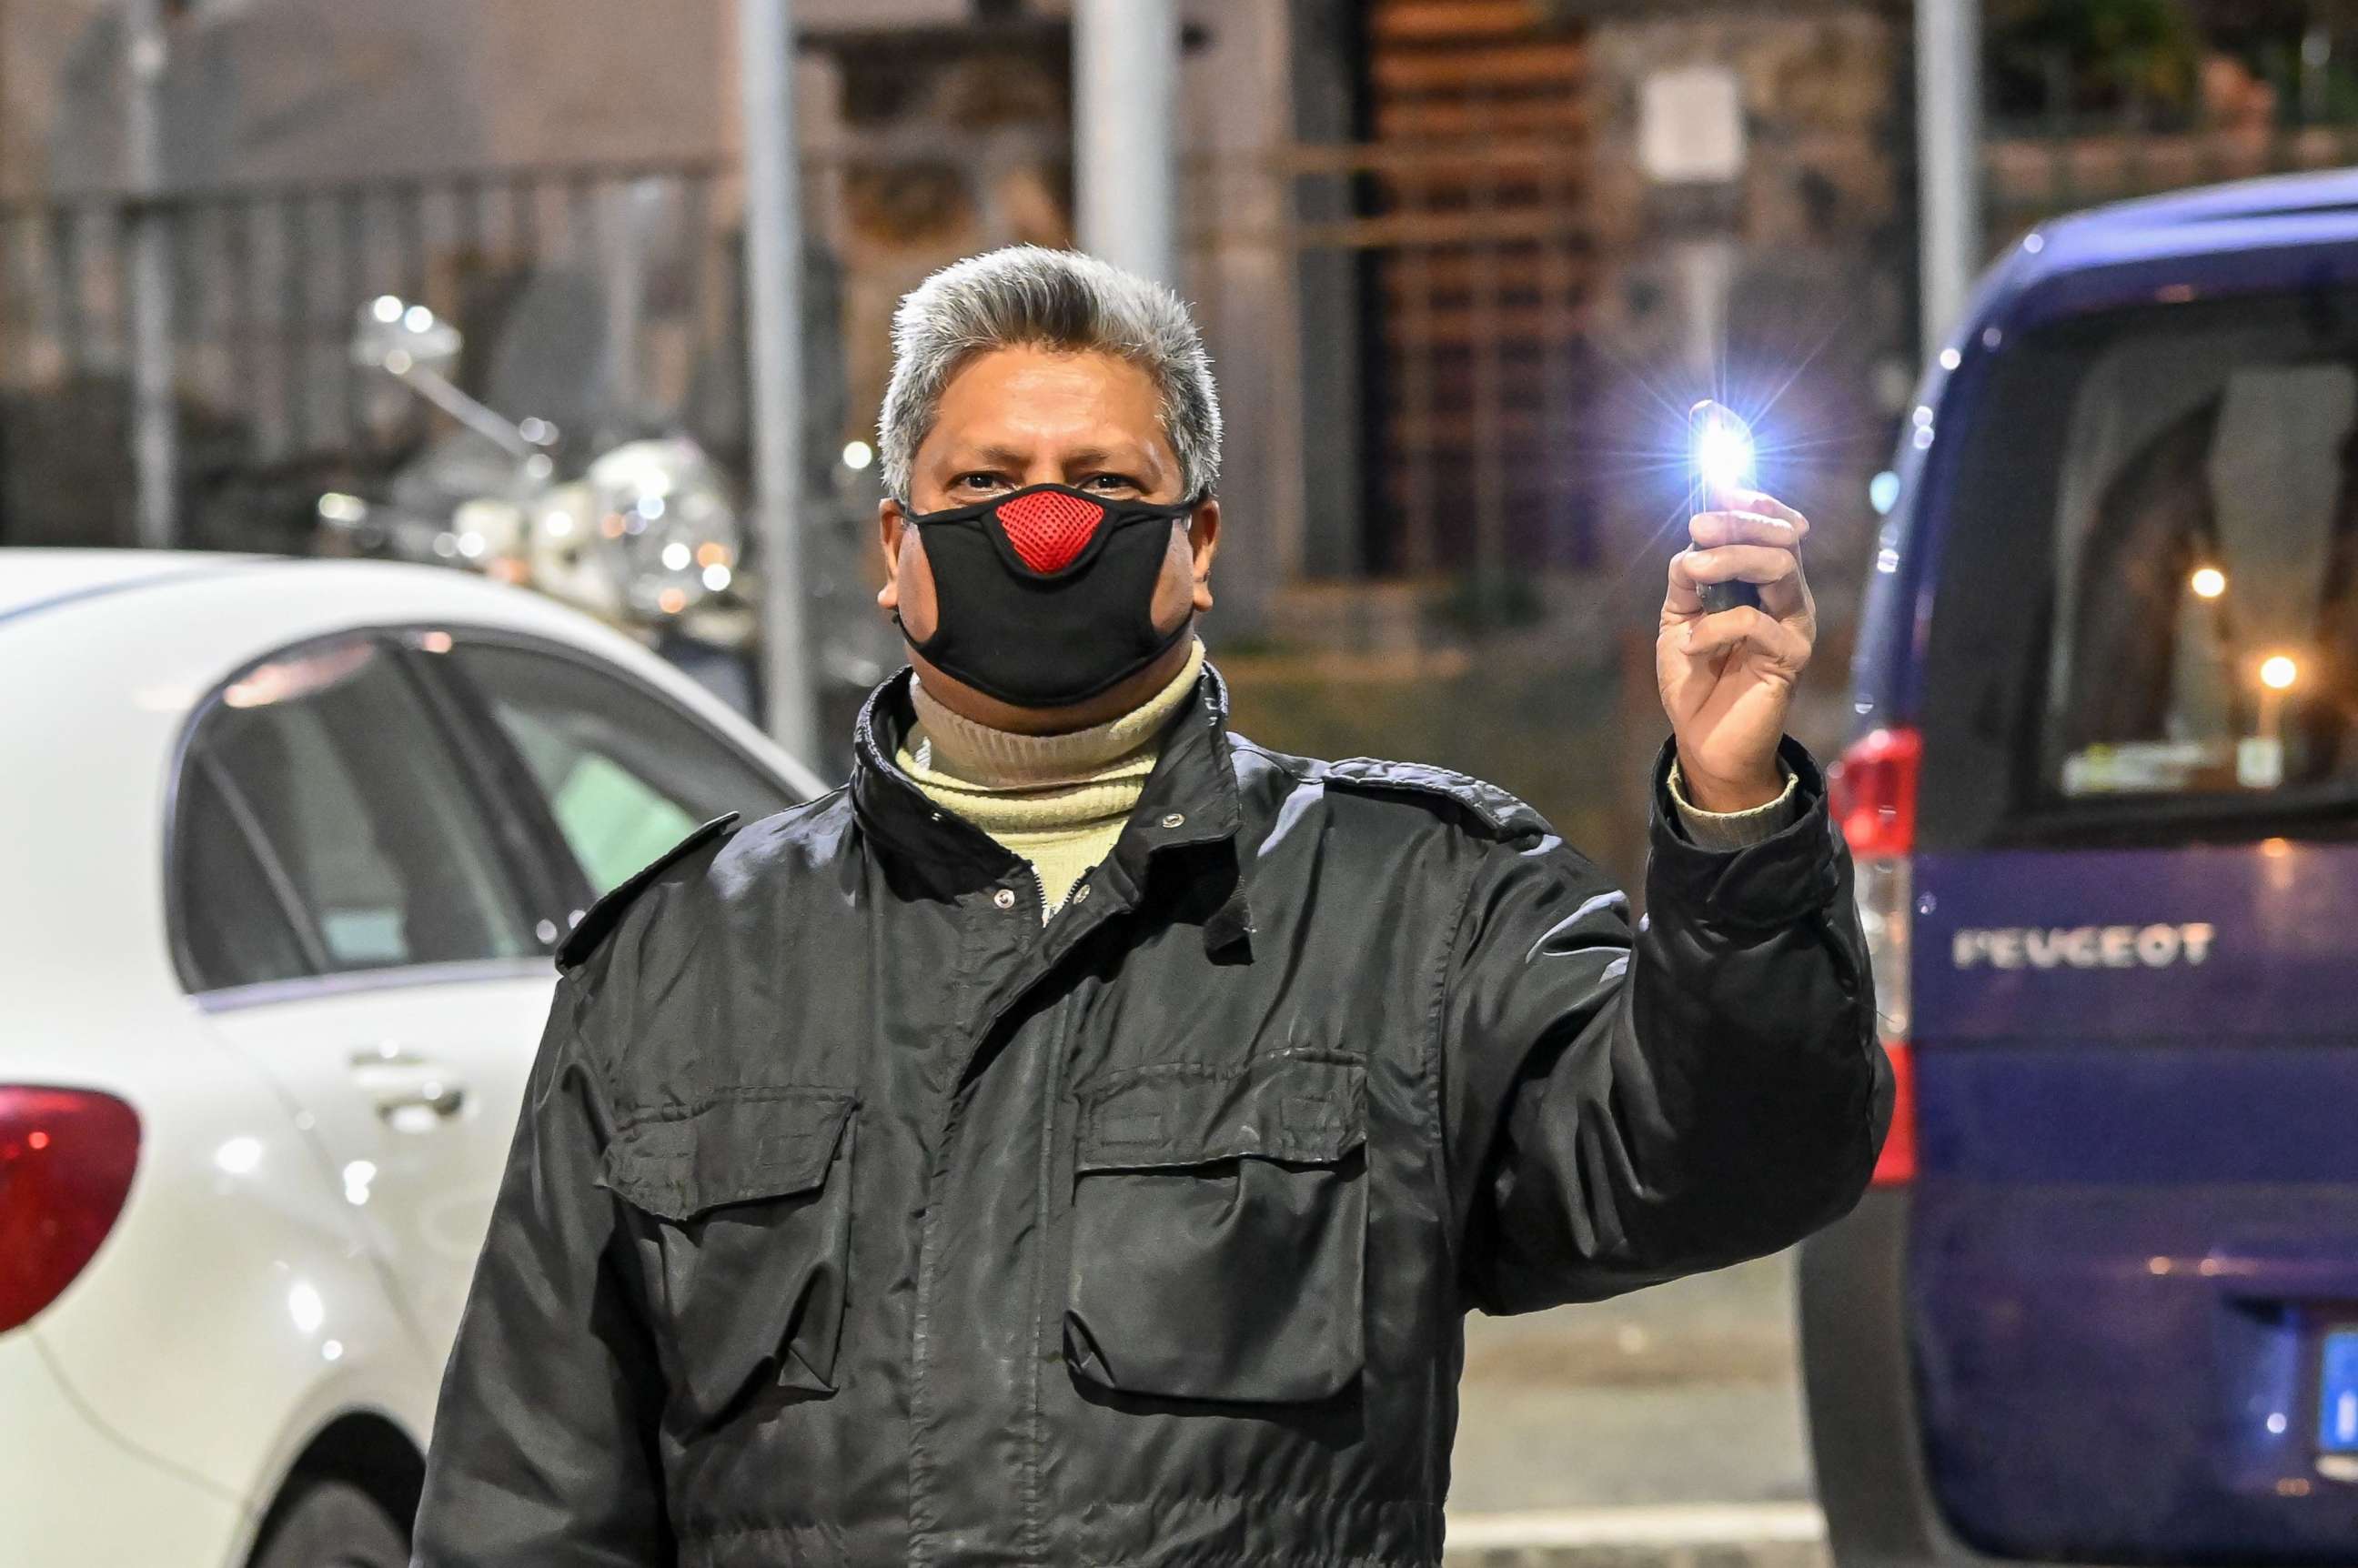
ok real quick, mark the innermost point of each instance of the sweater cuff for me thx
(1736, 829)
(1800, 868)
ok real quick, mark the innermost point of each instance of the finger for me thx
(1783, 591)
(1760, 563)
(1710, 529)
(1710, 636)
(1768, 505)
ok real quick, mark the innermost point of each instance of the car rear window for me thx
(2147, 594)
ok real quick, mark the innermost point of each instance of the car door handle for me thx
(405, 1085)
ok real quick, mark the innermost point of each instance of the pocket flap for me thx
(755, 1143)
(1309, 1107)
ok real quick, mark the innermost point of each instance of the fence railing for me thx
(587, 291)
(1446, 283)
(2040, 169)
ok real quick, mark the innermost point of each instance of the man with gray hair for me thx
(1078, 1140)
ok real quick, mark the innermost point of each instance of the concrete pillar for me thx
(1948, 149)
(1125, 99)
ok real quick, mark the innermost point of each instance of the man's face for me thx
(1021, 416)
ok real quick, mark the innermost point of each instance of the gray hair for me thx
(1028, 295)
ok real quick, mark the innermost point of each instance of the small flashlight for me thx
(1719, 459)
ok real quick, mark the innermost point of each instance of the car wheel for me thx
(332, 1524)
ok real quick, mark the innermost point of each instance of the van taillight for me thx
(1897, 1163)
(1872, 792)
(66, 1160)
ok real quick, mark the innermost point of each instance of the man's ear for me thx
(1204, 542)
(891, 527)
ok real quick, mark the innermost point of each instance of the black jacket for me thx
(856, 1218)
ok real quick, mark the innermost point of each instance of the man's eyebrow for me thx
(988, 457)
(1111, 457)
(1083, 457)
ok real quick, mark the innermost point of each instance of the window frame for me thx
(472, 705)
(515, 883)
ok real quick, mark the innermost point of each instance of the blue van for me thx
(2102, 1304)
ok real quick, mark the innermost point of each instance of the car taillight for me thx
(1872, 792)
(66, 1160)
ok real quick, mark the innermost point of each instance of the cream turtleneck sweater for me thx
(1056, 801)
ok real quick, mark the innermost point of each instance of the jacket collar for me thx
(1191, 803)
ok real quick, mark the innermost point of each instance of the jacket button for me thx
(1175, 819)
(1081, 894)
(1005, 898)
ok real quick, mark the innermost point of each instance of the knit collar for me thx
(1191, 803)
(948, 749)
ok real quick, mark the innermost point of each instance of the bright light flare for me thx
(1723, 452)
(2208, 582)
(2279, 672)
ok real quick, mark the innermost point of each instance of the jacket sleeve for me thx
(1625, 1107)
(544, 1449)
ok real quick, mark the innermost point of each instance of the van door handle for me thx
(408, 1088)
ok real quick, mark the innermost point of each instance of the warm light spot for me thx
(672, 600)
(2209, 582)
(611, 526)
(434, 642)
(2276, 848)
(2279, 672)
(712, 553)
(2157, 1265)
(38, 1140)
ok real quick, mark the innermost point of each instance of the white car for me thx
(285, 850)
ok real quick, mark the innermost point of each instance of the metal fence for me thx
(603, 293)
(1441, 312)
(2040, 170)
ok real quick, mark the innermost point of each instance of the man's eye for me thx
(1111, 481)
(981, 480)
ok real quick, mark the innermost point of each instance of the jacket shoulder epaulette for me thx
(1501, 813)
(606, 912)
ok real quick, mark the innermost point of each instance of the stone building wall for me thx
(1815, 249)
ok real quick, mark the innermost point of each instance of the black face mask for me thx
(1045, 596)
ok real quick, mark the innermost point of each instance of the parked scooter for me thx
(646, 536)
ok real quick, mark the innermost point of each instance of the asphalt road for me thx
(1670, 1415)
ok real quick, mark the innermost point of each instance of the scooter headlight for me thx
(666, 513)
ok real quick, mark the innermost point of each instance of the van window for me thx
(2157, 512)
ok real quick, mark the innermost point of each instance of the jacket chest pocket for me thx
(747, 1202)
(1219, 1230)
